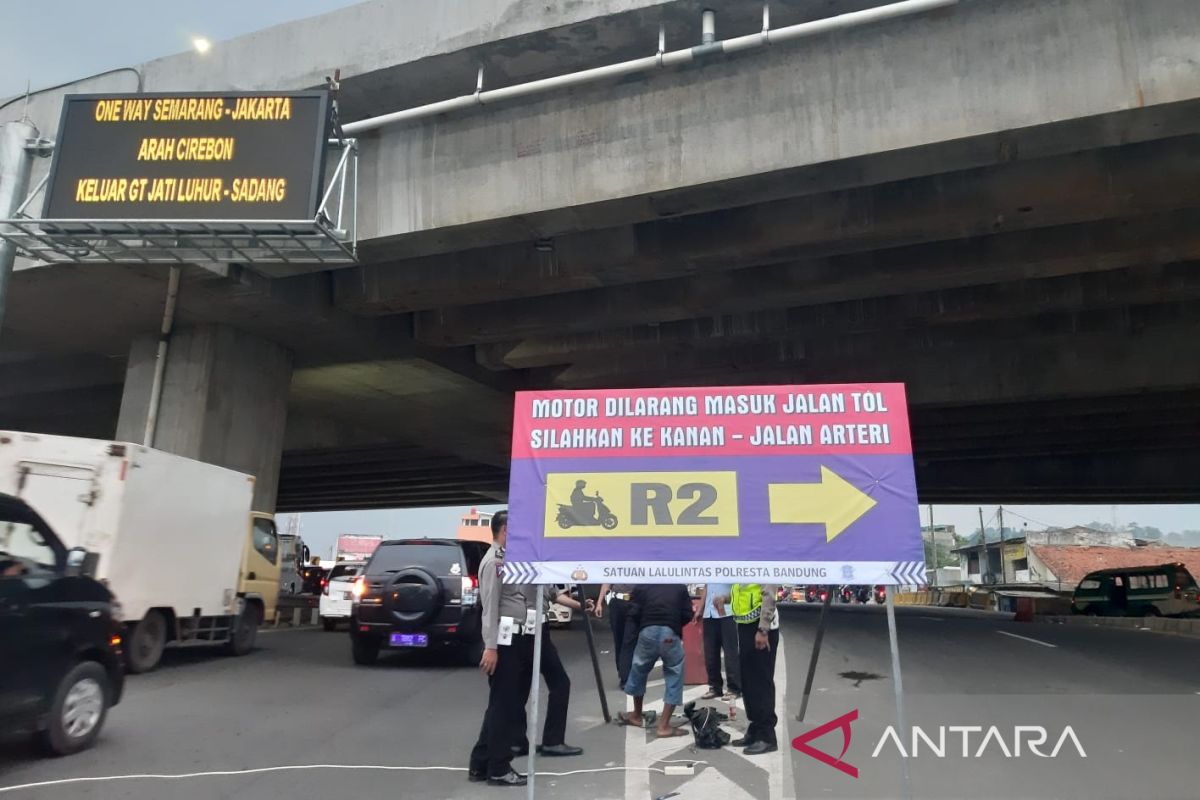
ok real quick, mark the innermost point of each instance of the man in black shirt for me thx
(660, 612)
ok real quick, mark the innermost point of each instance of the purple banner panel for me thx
(772, 484)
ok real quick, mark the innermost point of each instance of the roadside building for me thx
(1006, 559)
(355, 546)
(1061, 567)
(476, 526)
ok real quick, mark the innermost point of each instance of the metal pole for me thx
(816, 651)
(933, 536)
(591, 643)
(1003, 572)
(898, 682)
(535, 688)
(160, 357)
(982, 545)
(16, 165)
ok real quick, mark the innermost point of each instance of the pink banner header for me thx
(814, 419)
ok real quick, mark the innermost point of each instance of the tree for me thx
(944, 556)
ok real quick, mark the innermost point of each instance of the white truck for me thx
(174, 539)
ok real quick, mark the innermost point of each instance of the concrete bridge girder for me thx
(993, 203)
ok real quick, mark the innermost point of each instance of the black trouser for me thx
(559, 685)
(758, 683)
(506, 707)
(720, 633)
(625, 634)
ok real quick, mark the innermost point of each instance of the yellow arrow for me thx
(834, 501)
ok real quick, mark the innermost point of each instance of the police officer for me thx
(758, 640)
(507, 659)
(624, 629)
(558, 683)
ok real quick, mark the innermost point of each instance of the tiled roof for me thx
(1070, 563)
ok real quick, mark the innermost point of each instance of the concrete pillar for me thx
(224, 401)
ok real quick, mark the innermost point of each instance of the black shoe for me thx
(744, 741)
(520, 750)
(477, 775)
(560, 750)
(513, 778)
(758, 748)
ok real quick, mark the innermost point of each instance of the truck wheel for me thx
(329, 623)
(245, 631)
(364, 649)
(146, 643)
(80, 704)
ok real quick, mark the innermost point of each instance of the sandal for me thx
(711, 694)
(625, 720)
(674, 732)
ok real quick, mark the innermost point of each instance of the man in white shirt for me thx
(720, 634)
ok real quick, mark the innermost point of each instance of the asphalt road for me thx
(1131, 698)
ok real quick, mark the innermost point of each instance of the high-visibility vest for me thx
(747, 602)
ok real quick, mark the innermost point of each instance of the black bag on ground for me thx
(706, 727)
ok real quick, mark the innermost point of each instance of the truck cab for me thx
(258, 578)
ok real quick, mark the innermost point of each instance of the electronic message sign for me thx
(771, 484)
(232, 156)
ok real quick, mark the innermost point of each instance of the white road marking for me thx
(709, 783)
(1026, 638)
(640, 751)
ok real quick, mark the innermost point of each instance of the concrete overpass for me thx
(994, 203)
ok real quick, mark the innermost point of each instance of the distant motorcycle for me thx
(814, 594)
(567, 517)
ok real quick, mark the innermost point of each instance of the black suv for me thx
(62, 666)
(418, 593)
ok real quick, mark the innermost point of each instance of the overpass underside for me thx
(1035, 286)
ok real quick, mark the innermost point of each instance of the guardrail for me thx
(1173, 625)
(296, 611)
(946, 598)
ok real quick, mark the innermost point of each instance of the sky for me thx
(52, 41)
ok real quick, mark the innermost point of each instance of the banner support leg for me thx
(591, 643)
(898, 682)
(535, 690)
(816, 651)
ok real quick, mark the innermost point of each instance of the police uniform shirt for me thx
(501, 599)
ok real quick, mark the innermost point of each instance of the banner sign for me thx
(766, 484)
(230, 156)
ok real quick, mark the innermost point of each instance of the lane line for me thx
(1026, 638)
(787, 790)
